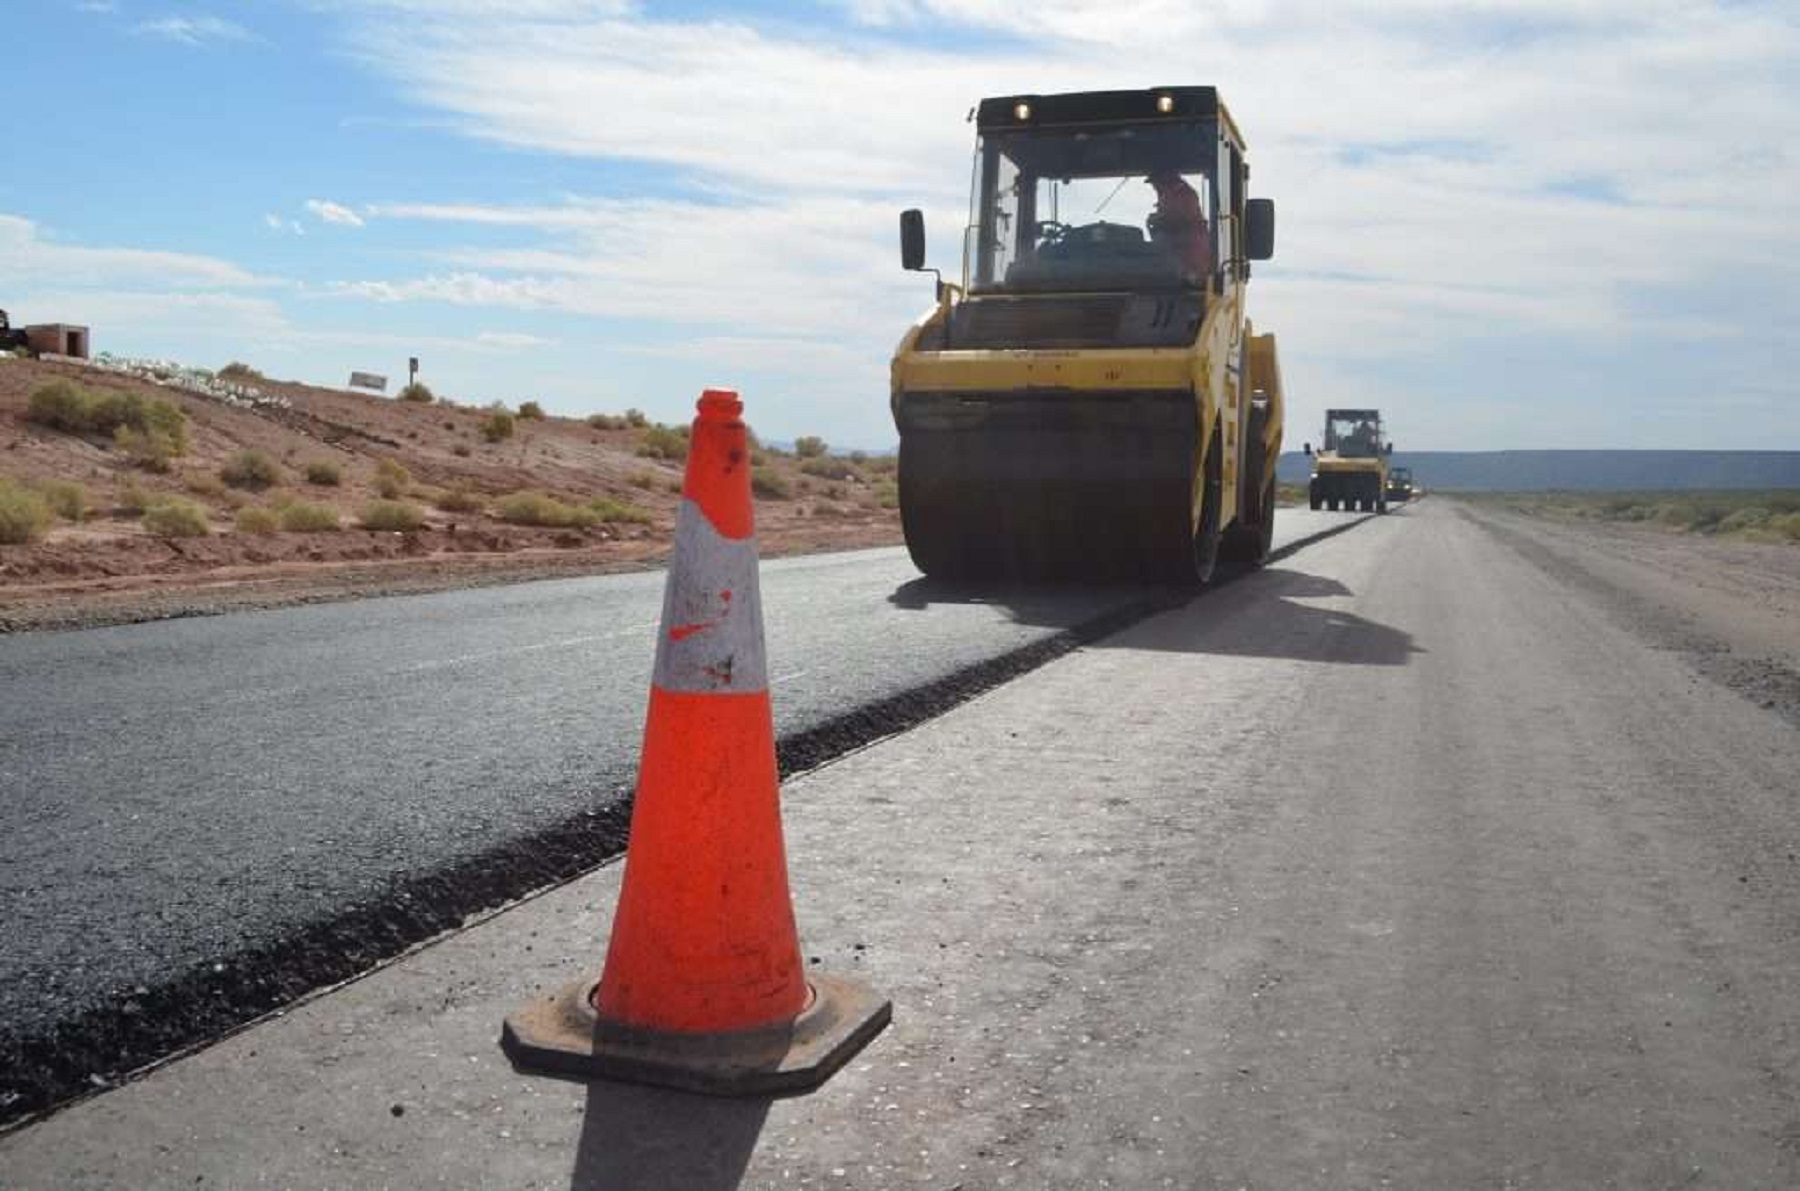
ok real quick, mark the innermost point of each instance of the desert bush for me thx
(155, 444)
(825, 467)
(606, 421)
(531, 411)
(635, 419)
(166, 419)
(608, 509)
(66, 498)
(324, 473)
(539, 508)
(259, 520)
(131, 499)
(59, 405)
(460, 500)
(770, 484)
(809, 446)
(106, 412)
(241, 373)
(418, 392)
(391, 478)
(498, 426)
(251, 469)
(304, 517)
(394, 515)
(1742, 519)
(23, 515)
(176, 518)
(203, 484)
(642, 479)
(663, 442)
(153, 432)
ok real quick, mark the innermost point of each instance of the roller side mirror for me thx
(912, 240)
(1259, 229)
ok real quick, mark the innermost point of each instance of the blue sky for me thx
(1511, 223)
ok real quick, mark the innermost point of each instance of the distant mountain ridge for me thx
(1584, 471)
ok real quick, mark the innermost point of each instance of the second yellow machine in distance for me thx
(1091, 400)
(1350, 468)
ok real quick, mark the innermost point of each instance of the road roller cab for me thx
(1090, 400)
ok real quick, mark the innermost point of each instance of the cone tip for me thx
(720, 405)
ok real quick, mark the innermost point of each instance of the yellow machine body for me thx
(1041, 436)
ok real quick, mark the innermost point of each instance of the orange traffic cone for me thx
(703, 987)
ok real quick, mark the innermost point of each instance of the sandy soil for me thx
(109, 570)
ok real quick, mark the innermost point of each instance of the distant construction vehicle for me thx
(13, 338)
(1350, 466)
(1091, 400)
(1399, 484)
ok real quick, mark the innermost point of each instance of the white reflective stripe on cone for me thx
(711, 641)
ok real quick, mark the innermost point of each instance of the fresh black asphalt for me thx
(208, 817)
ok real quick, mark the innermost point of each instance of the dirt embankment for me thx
(109, 568)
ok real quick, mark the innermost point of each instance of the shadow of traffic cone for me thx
(703, 987)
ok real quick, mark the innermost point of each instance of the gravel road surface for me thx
(1405, 862)
(208, 817)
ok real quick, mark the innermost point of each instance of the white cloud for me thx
(28, 258)
(1568, 178)
(196, 30)
(332, 212)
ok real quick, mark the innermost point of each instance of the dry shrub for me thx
(324, 473)
(539, 508)
(66, 498)
(663, 442)
(304, 517)
(770, 484)
(251, 469)
(132, 499)
(59, 405)
(391, 478)
(608, 509)
(24, 517)
(460, 500)
(203, 484)
(258, 520)
(392, 515)
(498, 426)
(176, 518)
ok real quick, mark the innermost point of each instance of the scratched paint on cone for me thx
(713, 607)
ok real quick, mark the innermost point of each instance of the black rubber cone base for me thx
(563, 1035)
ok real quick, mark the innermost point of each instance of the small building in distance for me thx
(58, 339)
